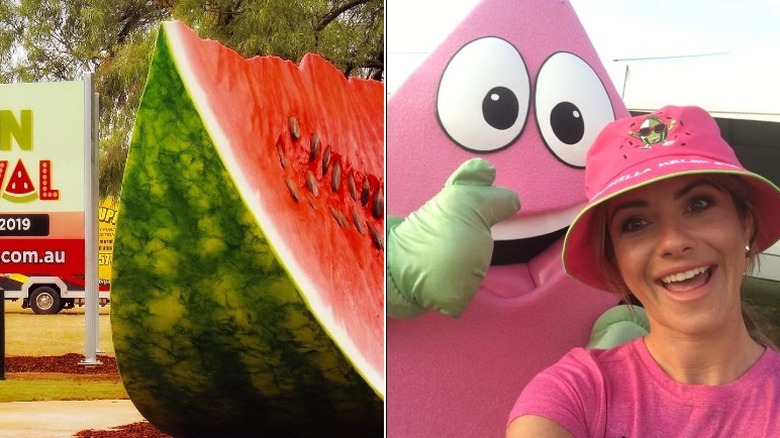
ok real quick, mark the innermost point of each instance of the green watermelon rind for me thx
(195, 356)
(20, 198)
(298, 275)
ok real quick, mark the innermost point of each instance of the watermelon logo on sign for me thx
(20, 188)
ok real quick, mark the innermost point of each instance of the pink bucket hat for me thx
(636, 151)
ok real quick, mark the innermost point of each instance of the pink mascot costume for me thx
(516, 93)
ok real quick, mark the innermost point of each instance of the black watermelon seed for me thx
(291, 186)
(325, 160)
(280, 151)
(352, 188)
(335, 177)
(295, 130)
(356, 221)
(376, 238)
(365, 193)
(311, 183)
(314, 149)
(378, 206)
(338, 217)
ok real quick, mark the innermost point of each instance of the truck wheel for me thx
(45, 301)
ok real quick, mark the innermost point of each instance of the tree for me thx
(48, 40)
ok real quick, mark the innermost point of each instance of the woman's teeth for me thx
(683, 276)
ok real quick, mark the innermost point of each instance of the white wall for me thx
(769, 264)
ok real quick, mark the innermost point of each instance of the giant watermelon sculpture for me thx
(248, 267)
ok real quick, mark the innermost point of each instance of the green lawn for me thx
(763, 297)
(62, 387)
(28, 334)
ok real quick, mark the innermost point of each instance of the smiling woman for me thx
(678, 234)
(674, 256)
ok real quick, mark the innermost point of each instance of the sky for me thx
(618, 29)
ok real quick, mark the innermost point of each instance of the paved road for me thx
(63, 418)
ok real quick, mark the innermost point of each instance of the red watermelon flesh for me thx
(240, 98)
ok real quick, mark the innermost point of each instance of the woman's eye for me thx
(633, 224)
(699, 204)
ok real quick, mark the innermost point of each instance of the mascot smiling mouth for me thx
(520, 239)
(506, 252)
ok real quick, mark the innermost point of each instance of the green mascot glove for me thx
(618, 325)
(437, 257)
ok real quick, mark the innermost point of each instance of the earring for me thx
(747, 250)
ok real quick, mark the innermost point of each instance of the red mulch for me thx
(69, 364)
(141, 429)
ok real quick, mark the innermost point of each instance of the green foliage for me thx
(48, 40)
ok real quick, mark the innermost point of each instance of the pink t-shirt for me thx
(622, 392)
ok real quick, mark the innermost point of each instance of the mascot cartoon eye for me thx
(572, 105)
(484, 94)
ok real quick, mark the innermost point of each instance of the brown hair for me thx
(741, 195)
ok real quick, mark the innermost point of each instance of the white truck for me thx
(49, 294)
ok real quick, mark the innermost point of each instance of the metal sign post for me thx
(91, 298)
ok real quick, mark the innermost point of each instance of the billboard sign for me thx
(42, 168)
